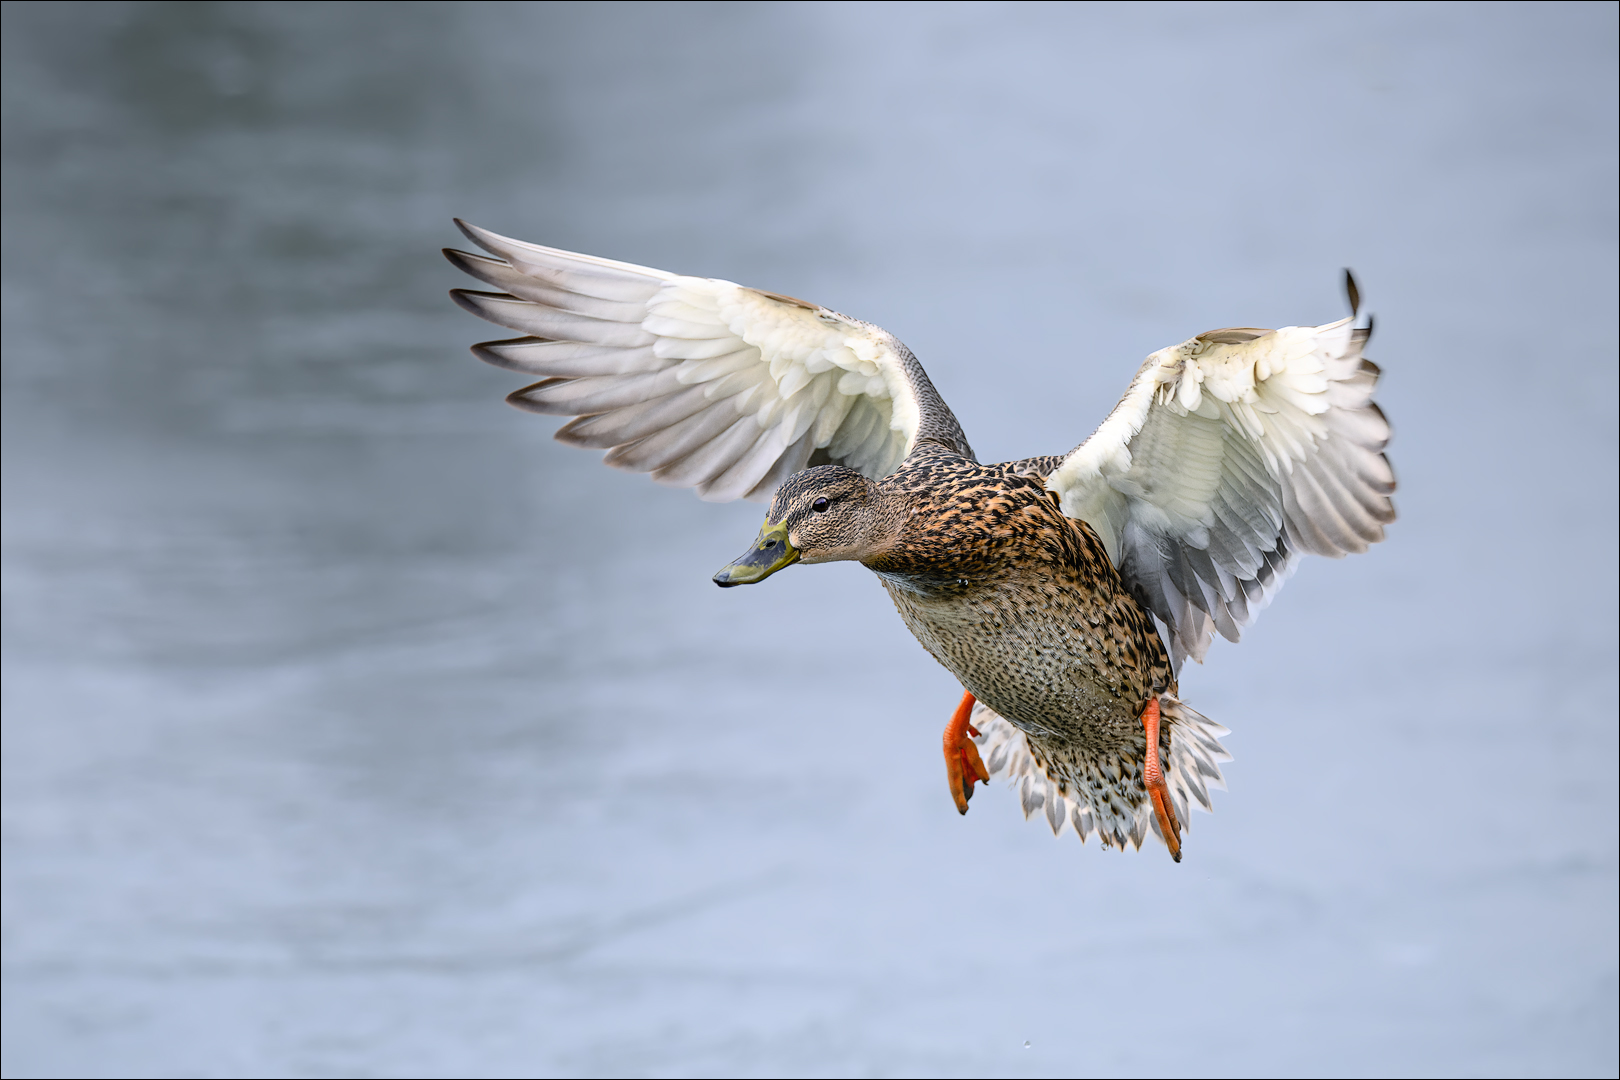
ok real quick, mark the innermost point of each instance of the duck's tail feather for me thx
(1193, 768)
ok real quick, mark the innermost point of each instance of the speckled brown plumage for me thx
(1021, 604)
(1229, 456)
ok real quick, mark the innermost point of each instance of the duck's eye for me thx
(819, 506)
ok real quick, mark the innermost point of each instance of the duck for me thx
(1064, 592)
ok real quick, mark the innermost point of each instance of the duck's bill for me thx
(769, 553)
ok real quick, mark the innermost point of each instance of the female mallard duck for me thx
(1062, 591)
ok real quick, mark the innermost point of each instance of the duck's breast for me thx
(1030, 616)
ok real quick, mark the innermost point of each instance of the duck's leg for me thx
(962, 762)
(1153, 777)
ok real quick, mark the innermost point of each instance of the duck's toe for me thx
(1164, 808)
(963, 765)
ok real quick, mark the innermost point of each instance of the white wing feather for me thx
(703, 383)
(1229, 456)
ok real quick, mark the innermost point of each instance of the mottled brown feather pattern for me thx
(1021, 604)
(1020, 601)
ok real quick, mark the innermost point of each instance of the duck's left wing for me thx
(1229, 456)
(703, 383)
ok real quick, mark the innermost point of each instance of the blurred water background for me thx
(355, 728)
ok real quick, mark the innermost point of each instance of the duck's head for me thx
(823, 514)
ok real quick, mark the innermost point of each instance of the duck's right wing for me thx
(703, 383)
(1229, 456)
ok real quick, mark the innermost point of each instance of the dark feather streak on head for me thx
(807, 481)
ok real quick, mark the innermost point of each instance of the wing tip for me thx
(464, 302)
(571, 435)
(1352, 293)
(474, 301)
(531, 398)
(490, 353)
(465, 260)
(474, 233)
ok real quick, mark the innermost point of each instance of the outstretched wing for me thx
(702, 383)
(1229, 456)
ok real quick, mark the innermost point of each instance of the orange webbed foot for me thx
(962, 762)
(1164, 808)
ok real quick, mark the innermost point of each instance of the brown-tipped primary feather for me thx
(540, 321)
(537, 356)
(511, 280)
(584, 274)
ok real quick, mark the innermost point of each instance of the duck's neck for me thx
(927, 540)
(926, 554)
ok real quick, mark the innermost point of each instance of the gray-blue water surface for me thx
(355, 728)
